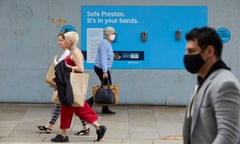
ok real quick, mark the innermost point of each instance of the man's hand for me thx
(105, 75)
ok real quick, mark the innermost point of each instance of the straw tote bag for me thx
(79, 82)
(50, 75)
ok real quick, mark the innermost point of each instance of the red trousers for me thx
(84, 113)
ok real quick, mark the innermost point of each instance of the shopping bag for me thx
(79, 83)
(49, 77)
(55, 98)
(104, 96)
(114, 89)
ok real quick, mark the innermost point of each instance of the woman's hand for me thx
(55, 58)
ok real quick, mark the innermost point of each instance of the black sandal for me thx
(45, 129)
(83, 132)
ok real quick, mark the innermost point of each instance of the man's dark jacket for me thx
(62, 79)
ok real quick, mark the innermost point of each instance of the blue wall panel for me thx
(161, 49)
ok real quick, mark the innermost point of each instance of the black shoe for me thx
(108, 112)
(60, 138)
(100, 132)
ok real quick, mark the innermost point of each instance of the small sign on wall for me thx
(67, 28)
(224, 34)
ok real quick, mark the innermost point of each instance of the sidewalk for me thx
(130, 125)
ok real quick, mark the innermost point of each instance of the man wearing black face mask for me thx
(213, 114)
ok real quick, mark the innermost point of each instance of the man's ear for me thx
(210, 50)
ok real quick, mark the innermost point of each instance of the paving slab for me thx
(132, 124)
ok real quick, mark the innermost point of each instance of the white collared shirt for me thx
(62, 57)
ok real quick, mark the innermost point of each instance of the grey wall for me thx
(28, 40)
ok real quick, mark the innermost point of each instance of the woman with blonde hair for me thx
(74, 63)
(56, 108)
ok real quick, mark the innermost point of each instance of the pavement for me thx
(132, 124)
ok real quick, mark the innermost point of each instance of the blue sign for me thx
(224, 34)
(67, 28)
(148, 37)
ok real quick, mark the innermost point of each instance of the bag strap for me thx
(108, 83)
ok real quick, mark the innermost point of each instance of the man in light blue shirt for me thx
(103, 62)
(104, 56)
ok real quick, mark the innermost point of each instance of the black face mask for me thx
(193, 63)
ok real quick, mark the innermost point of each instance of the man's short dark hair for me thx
(206, 36)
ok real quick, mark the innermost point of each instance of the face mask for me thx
(193, 63)
(112, 37)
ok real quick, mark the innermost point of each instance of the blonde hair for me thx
(72, 36)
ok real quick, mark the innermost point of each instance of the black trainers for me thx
(60, 138)
(108, 112)
(100, 132)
